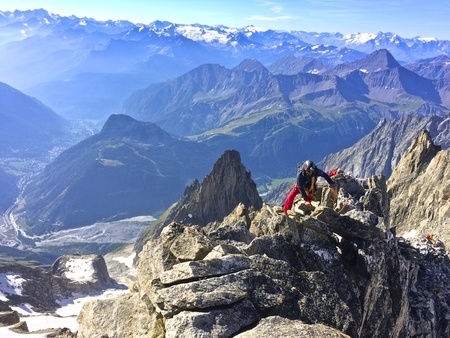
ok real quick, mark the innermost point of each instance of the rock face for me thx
(34, 286)
(419, 189)
(225, 187)
(336, 271)
(379, 152)
(228, 184)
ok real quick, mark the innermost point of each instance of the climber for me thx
(306, 184)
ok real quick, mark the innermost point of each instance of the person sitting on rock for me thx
(306, 184)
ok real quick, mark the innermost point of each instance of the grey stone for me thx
(223, 322)
(9, 318)
(276, 326)
(206, 293)
(205, 268)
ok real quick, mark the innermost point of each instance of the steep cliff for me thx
(419, 190)
(228, 184)
(380, 151)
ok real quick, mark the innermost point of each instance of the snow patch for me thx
(203, 34)
(427, 39)
(80, 270)
(66, 316)
(359, 38)
(73, 305)
(138, 219)
(325, 255)
(44, 322)
(5, 332)
(128, 261)
(410, 234)
(10, 284)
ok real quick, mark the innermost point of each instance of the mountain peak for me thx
(223, 189)
(416, 158)
(379, 60)
(226, 186)
(249, 65)
(120, 125)
(382, 58)
(291, 65)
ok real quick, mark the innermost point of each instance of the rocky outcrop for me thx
(83, 273)
(225, 187)
(9, 318)
(34, 286)
(334, 271)
(289, 328)
(419, 190)
(42, 288)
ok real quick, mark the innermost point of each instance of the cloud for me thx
(270, 18)
(277, 9)
(274, 7)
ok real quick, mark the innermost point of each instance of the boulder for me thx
(9, 318)
(84, 273)
(214, 323)
(290, 328)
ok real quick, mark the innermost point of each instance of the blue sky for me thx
(408, 18)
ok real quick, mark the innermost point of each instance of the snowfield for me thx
(66, 316)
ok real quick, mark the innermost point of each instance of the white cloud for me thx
(270, 18)
(274, 7)
(277, 9)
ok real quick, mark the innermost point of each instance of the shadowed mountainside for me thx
(130, 168)
(380, 151)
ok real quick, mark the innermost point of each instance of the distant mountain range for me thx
(182, 98)
(53, 57)
(28, 128)
(276, 120)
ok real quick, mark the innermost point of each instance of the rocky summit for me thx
(227, 185)
(335, 270)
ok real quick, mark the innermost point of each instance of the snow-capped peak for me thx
(359, 38)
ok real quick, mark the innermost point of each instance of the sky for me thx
(407, 18)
